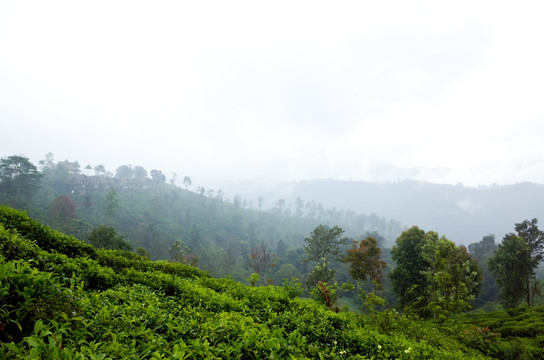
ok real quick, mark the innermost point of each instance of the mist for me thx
(240, 91)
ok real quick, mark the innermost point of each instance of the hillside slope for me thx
(63, 299)
(462, 214)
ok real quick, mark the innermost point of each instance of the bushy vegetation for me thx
(63, 299)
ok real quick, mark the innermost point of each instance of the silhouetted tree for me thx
(47, 163)
(174, 178)
(124, 172)
(99, 169)
(187, 182)
(157, 176)
(139, 172)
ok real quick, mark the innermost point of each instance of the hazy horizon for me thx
(290, 91)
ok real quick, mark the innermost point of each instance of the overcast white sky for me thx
(383, 90)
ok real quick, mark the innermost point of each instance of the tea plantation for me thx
(63, 299)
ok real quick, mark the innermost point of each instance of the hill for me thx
(463, 214)
(64, 299)
(219, 229)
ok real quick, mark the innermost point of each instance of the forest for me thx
(130, 265)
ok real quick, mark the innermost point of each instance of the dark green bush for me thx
(46, 238)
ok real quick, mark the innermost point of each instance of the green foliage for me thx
(182, 254)
(253, 278)
(43, 236)
(19, 178)
(293, 288)
(111, 200)
(517, 333)
(482, 252)
(327, 295)
(533, 236)
(106, 237)
(433, 276)
(322, 247)
(408, 281)
(453, 278)
(119, 305)
(512, 267)
(28, 295)
(324, 243)
(365, 261)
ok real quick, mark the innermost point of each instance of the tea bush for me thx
(61, 299)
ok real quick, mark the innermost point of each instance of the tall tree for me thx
(124, 172)
(281, 249)
(157, 176)
(534, 237)
(453, 278)
(364, 259)
(279, 206)
(407, 280)
(322, 247)
(187, 182)
(324, 243)
(47, 163)
(99, 169)
(482, 251)
(139, 172)
(513, 269)
(433, 276)
(515, 263)
(19, 178)
(174, 178)
(111, 202)
(299, 207)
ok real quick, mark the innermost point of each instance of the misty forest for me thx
(127, 263)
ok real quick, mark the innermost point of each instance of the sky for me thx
(447, 92)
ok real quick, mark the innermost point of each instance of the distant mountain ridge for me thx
(462, 214)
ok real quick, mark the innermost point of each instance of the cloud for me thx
(284, 90)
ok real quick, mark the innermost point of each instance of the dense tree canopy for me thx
(533, 236)
(513, 267)
(365, 260)
(322, 247)
(515, 262)
(19, 177)
(433, 276)
(482, 251)
(324, 243)
(407, 280)
(453, 278)
(124, 172)
(157, 176)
